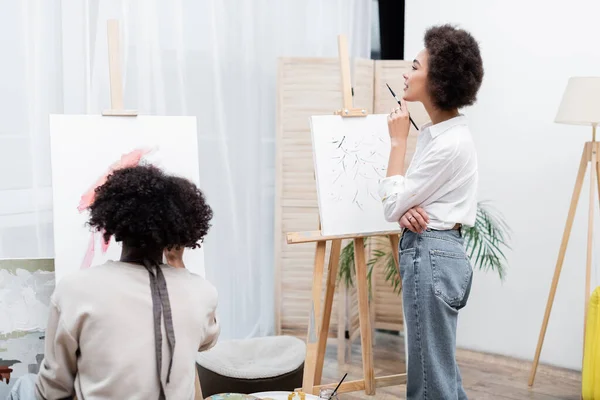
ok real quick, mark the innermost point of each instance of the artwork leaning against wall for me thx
(25, 289)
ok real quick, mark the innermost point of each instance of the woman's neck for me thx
(136, 254)
(437, 116)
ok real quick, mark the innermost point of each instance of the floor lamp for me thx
(580, 105)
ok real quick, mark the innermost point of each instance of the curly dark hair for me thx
(145, 208)
(455, 67)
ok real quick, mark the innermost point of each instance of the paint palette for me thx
(232, 396)
(282, 396)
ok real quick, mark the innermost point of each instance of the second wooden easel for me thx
(317, 333)
(589, 157)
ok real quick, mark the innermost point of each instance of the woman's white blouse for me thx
(442, 177)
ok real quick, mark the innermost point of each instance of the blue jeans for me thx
(436, 281)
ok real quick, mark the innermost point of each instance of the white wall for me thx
(528, 165)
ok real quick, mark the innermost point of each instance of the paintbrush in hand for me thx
(400, 104)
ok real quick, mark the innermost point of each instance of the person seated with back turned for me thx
(115, 331)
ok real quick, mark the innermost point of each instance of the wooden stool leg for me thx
(561, 257)
(315, 312)
(334, 258)
(363, 314)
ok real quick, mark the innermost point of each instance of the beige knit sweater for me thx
(100, 334)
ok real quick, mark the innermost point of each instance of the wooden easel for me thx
(117, 110)
(115, 75)
(317, 334)
(589, 156)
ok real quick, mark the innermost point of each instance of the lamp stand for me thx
(589, 156)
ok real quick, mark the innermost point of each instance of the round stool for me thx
(271, 363)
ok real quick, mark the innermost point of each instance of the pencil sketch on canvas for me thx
(356, 160)
(351, 156)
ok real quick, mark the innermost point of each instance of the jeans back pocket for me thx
(452, 275)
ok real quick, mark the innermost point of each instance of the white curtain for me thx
(214, 59)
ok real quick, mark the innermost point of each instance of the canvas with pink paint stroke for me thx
(131, 159)
(85, 149)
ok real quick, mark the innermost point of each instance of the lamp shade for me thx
(580, 103)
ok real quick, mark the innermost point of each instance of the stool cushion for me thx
(254, 358)
(252, 365)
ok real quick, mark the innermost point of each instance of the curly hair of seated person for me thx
(143, 207)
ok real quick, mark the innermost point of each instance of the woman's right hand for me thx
(399, 124)
(415, 220)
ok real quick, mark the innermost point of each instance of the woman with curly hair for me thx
(432, 200)
(130, 329)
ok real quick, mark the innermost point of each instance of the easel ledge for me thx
(317, 334)
(316, 236)
(354, 386)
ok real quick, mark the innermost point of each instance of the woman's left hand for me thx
(415, 220)
(399, 124)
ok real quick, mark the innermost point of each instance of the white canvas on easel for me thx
(350, 157)
(83, 149)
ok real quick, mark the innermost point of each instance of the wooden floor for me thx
(484, 376)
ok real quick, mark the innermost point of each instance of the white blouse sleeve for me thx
(400, 193)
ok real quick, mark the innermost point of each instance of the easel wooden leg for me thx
(598, 171)
(315, 313)
(334, 258)
(590, 237)
(341, 340)
(372, 306)
(598, 168)
(394, 242)
(363, 314)
(585, 157)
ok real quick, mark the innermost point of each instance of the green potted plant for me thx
(485, 243)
